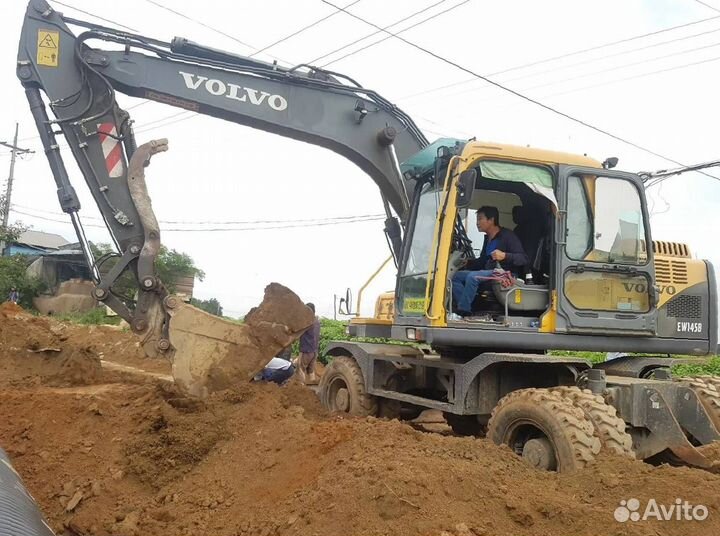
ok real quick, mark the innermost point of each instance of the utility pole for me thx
(15, 150)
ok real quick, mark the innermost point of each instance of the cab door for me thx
(604, 273)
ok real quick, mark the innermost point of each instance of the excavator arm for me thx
(80, 82)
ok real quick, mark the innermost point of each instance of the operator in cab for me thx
(502, 248)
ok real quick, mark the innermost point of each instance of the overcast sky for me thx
(659, 92)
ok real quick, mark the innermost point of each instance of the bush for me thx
(12, 274)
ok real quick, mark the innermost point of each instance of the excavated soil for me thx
(116, 454)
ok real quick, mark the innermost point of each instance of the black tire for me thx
(609, 428)
(539, 417)
(464, 425)
(706, 389)
(342, 389)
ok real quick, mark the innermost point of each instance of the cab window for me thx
(604, 221)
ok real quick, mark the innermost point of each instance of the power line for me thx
(301, 30)
(220, 229)
(401, 31)
(592, 60)
(312, 62)
(656, 177)
(186, 17)
(225, 34)
(708, 6)
(222, 222)
(95, 16)
(513, 92)
(566, 55)
(610, 69)
(621, 53)
(635, 77)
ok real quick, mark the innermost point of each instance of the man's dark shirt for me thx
(505, 240)
(311, 338)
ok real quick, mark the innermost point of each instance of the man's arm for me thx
(479, 262)
(514, 253)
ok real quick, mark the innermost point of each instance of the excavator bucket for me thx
(211, 353)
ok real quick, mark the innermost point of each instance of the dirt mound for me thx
(36, 350)
(40, 350)
(10, 309)
(260, 459)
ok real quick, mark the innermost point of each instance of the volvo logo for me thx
(234, 92)
(642, 289)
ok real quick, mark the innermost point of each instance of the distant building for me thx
(35, 243)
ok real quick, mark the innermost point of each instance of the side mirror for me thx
(610, 163)
(345, 306)
(466, 186)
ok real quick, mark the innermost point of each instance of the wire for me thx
(516, 93)
(610, 69)
(399, 32)
(634, 77)
(708, 5)
(592, 60)
(93, 15)
(655, 177)
(243, 43)
(221, 229)
(142, 129)
(566, 55)
(216, 222)
(312, 62)
(301, 30)
(158, 4)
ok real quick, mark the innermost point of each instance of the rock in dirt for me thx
(129, 525)
(73, 503)
(212, 354)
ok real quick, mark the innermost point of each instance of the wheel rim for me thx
(539, 453)
(342, 400)
(529, 441)
(338, 395)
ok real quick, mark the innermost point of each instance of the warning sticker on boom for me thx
(48, 48)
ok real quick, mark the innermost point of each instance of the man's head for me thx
(487, 218)
(312, 306)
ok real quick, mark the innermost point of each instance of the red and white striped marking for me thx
(112, 150)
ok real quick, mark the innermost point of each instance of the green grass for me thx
(712, 367)
(704, 366)
(95, 316)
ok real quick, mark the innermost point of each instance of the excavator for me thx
(595, 279)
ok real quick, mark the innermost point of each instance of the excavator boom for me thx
(80, 82)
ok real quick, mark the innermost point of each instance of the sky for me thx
(657, 91)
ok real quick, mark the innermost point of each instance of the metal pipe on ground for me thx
(19, 513)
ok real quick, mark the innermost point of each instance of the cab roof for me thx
(477, 149)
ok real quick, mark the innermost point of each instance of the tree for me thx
(212, 306)
(13, 268)
(9, 233)
(171, 265)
